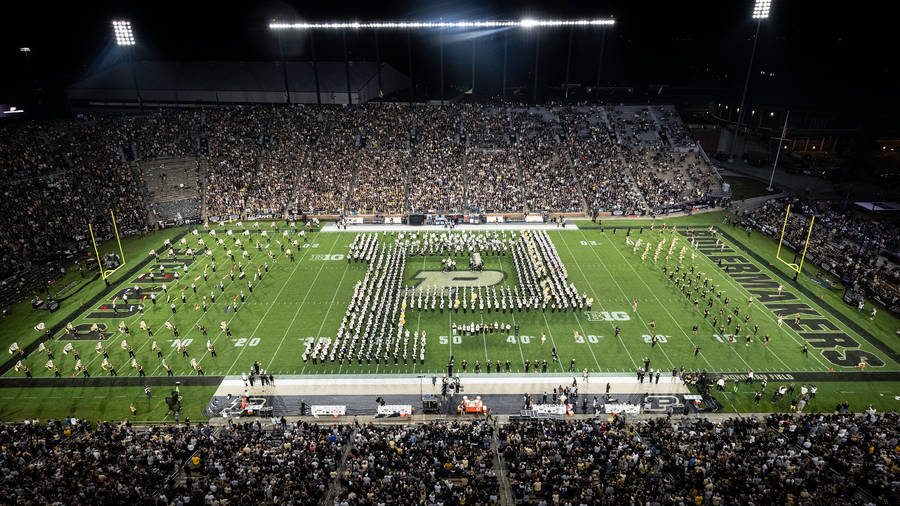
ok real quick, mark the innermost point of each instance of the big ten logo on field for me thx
(441, 279)
(336, 256)
(605, 316)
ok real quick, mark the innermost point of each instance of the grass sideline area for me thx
(19, 325)
(307, 298)
(101, 403)
(859, 394)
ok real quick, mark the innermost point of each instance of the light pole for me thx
(125, 37)
(27, 52)
(760, 12)
(781, 145)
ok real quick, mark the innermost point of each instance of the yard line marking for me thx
(219, 334)
(297, 312)
(484, 339)
(550, 332)
(319, 333)
(657, 300)
(419, 318)
(120, 335)
(591, 348)
(651, 332)
(518, 341)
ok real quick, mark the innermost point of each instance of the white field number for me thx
(722, 338)
(523, 339)
(336, 256)
(606, 316)
(183, 342)
(592, 243)
(308, 245)
(446, 339)
(659, 338)
(590, 337)
(246, 342)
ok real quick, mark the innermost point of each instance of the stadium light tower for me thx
(761, 10)
(125, 38)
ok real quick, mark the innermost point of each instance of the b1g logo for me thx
(440, 279)
(605, 316)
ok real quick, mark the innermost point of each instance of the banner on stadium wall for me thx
(356, 220)
(474, 219)
(396, 220)
(552, 409)
(628, 409)
(327, 410)
(394, 410)
(534, 218)
(618, 212)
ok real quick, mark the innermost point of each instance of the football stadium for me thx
(393, 256)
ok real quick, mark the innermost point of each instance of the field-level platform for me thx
(503, 393)
(463, 227)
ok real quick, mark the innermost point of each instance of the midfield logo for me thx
(440, 279)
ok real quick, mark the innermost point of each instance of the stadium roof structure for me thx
(236, 82)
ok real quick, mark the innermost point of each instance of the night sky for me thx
(819, 55)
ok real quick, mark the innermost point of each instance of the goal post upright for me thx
(118, 240)
(96, 252)
(805, 246)
(797, 268)
(783, 227)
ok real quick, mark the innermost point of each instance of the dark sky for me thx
(817, 53)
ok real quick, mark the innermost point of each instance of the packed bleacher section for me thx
(325, 179)
(118, 464)
(382, 163)
(376, 158)
(547, 177)
(837, 458)
(436, 463)
(235, 136)
(283, 160)
(436, 182)
(596, 160)
(78, 179)
(166, 133)
(849, 244)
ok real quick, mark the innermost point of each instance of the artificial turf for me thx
(307, 298)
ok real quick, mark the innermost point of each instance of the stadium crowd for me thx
(738, 461)
(372, 158)
(836, 458)
(435, 463)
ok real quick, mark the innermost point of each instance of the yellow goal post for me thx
(107, 273)
(794, 267)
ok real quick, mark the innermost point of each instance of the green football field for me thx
(306, 299)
